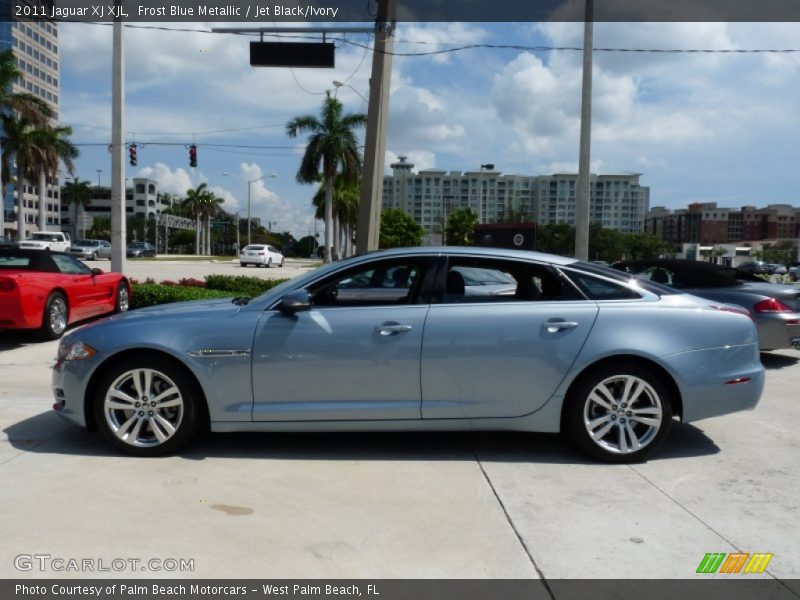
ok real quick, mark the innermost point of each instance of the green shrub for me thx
(241, 285)
(149, 294)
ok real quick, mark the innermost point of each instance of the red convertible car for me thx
(49, 290)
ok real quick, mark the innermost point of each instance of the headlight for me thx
(75, 350)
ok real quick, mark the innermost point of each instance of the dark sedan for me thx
(7, 243)
(775, 308)
(140, 249)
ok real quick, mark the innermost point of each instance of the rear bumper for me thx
(778, 330)
(718, 381)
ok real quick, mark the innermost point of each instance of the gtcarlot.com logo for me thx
(46, 562)
(736, 562)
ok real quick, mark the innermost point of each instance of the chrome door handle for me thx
(556, 326)
(388, 329)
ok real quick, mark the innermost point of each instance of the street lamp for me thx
(339, 84)
(250, 182)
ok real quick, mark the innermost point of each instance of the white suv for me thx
(260, 255)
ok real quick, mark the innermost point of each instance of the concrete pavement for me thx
(398, 505)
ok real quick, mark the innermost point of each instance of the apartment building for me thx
(617, 201)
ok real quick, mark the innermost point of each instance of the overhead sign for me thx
(292, 54)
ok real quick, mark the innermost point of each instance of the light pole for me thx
(99, 172)
(339, 84)
(484, 168)
(249, 204)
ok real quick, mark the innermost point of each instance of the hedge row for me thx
(241, 284)
(216, 286)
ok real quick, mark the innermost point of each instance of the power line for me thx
(459, 48)
(251, 127)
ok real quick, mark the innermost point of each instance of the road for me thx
(453, 505)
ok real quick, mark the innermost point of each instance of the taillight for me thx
(261, 254)
(7, 285)
(771, 305)
(734, 309)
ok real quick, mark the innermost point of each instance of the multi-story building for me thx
(617, 201)
(141, 198)
(35, 45)
(706, 223)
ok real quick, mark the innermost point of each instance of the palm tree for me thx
(331, 145)
(78, 194)
(346, 195)
(27, 106)
(195, 199)
(460, 226)
(209, 206)
(56, 148)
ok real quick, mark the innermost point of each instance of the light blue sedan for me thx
(398, 340)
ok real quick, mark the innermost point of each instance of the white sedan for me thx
(260, 255)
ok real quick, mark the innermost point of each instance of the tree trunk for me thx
(336, 237)
(2, 195)
(328, 216)
(208, 235)
(75, 220)
(42, 200)
(197, 235)
(20, 203)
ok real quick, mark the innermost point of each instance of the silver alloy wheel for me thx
(58, 315)
(123, 298)
(623, 414)
(143, 407)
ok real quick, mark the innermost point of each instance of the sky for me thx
(710, 127)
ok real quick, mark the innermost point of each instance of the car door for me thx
(492, 349)
(354, 355)
(87, 295)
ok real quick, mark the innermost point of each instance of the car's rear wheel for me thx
(281, 265)
(269, 263)
(123, 300)
(619, 413)
(147, 407)
(94, 256)
(55, 317)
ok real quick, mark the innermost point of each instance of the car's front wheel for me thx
(147, 407)
(619, 413)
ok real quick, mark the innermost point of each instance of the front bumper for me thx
(68, 382)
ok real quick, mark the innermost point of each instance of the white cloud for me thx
(170, 181)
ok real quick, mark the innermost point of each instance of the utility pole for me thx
(582, 201)
(369, 209)
(118, 226)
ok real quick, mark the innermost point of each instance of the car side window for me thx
(70, 266)
(485, 280)
(600, 289)
(381, 285)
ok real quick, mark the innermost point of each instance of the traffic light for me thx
(132, 154)
(192, 155)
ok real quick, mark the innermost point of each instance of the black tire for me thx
(281, 265)
(243, 265)
(186, 418)
(94, 256)
(53, 327)
(613, 424)
(123, 300)
(269, 263)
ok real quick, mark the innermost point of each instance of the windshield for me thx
(46, 237)
(87, 243)
(617, 275)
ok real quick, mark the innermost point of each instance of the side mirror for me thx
(97, 271)
(295, 301)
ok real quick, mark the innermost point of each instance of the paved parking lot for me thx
(397, 505)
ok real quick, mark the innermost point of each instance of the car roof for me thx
(474, 251)
(39, 260)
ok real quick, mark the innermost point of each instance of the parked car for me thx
(794, 273)
(140, 249)
(754, 267)
(594, 352)
(55, 241)
(7, 243)
(260, 255)
(49, 290)
(776, 269)
(775, 308)
(90, 249)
